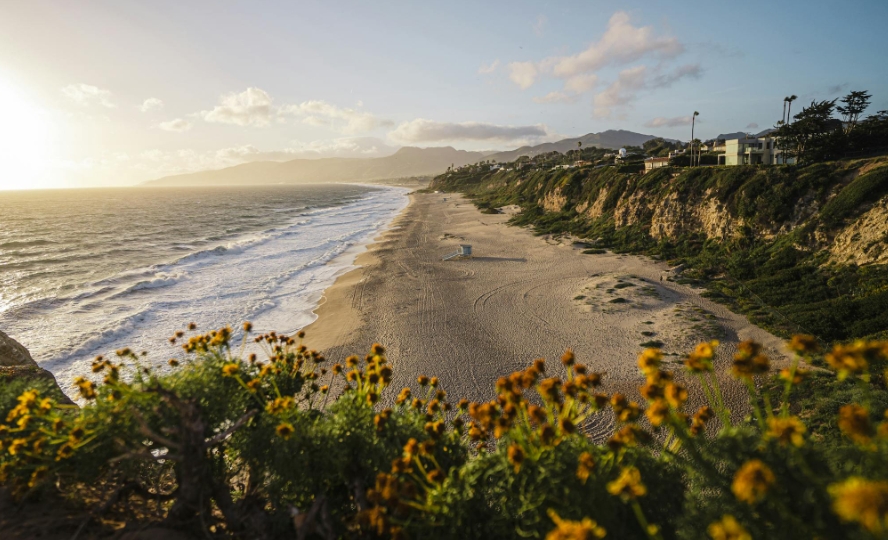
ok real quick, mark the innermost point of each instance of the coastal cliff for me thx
(18, 368)
(798, 249)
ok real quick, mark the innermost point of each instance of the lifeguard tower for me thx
(464, 251)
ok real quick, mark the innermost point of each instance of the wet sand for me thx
(520, 297)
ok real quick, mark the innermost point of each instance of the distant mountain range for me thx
(406, 162)
(611, 138)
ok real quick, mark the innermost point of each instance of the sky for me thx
(116, 92)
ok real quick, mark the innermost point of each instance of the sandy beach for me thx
(469, 321)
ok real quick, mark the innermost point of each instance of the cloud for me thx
(252, 107)
(556, 97)
(342, 119)
(524, 74)
(621, 44)
(429, 131)
(662, 121)
(539, 26)
(489, 68)
(151, 104)
(630, 82)
(178, 125)
(86, 94)
(752, 125)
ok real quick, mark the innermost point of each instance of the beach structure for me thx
(464, 250)
(652, 163)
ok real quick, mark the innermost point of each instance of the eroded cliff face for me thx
(554, 200)
(866, 240)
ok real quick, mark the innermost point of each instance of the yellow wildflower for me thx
(862, 501)
(752, 481)
(17, 446)
(649, 361)
(657, 412)
(565, 529)
(285, 430)
(854, 422)
(516, 456)
(803, 344)
(628, 485)
(676, 395)
(585, 467)
(786, 430)
(727, 528)
(279, 405)
(230, 369)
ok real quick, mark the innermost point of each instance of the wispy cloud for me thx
(252, 107)
(87, 94)
(151, 104)
(539, 27)
(752, 125)
(422, 130)
(487, 69)
(341, 119)
(632, 81)
(662, 121)
(178, 125)
(621, 44)
(255, 107)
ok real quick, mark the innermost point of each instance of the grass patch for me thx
(654, 344)
(618, 300)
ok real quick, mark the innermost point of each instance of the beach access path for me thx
(470, 321)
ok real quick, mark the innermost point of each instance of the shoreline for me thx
(520, 297)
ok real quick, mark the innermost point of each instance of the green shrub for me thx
(241, 447)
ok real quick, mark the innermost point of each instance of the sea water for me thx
(86, 272)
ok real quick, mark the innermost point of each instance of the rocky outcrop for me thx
(554, 201)
(16, 363)
(866, 240)
(13, 353)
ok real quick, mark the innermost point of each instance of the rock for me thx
(16, 363)
(13, 353)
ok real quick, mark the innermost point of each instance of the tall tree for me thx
(783, 118)
(854, 103)
(789, 101)
(810, 138)
(693, 121)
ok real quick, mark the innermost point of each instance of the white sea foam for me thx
(274, 278)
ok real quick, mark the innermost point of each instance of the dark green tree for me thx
(854, 103)
(811, 137)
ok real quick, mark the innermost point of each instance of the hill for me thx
(407, 161)
(606, 139)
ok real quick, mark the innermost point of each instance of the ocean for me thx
(85, 272)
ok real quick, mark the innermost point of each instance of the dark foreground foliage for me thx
(287, 446)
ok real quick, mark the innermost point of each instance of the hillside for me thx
(407, 161)
(797, 249)
(613, 139)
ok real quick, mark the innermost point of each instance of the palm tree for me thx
(789, 101)
(693, 120)
(783, 118)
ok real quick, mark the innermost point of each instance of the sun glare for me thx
(24, 140)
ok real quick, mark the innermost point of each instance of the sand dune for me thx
(520, 297)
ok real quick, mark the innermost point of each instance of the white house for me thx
(753, 151)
